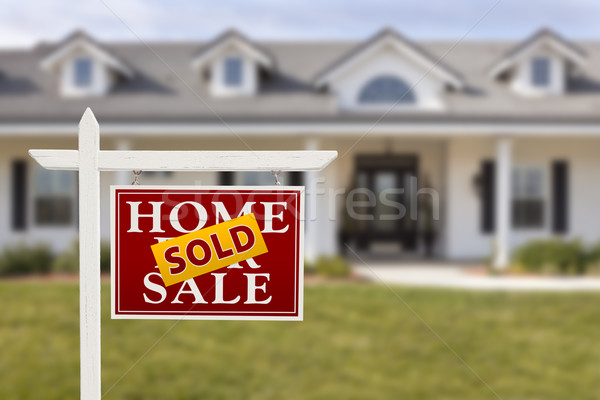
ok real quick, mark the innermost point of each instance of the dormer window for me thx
(233, 71)
(388, 71)
(233, 65)
(84, 67)
(82, 72)
(540, 72)
(386, 90)
(540, 66)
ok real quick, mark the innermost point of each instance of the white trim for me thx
(401, 47)
(89, 257)
(251, 52)
(333, 129)
(56, 57)
(503, 200)
(559, 47)
(114, 160)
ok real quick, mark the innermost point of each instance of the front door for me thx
(384, 190)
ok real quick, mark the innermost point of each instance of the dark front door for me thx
(383, 189)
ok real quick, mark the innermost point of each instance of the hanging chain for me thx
(276, 175)
(136, 177)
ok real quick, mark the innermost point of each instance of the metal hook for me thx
(136, 176)
(276, 175)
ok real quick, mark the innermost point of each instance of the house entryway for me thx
(378, 214)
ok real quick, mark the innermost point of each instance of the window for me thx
(233, 71)
(83, 72)
(19, 195)
(54, 197)
(540, 71)
(528, 197)
(386, 90)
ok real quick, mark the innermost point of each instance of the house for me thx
(462, 149)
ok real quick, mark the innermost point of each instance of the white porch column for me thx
(310, 212)
(503, 202)
(123, 177)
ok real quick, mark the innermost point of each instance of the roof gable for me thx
(403, 46)
(81, 41)
(543, 37)
(234, 39)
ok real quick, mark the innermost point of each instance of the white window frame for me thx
(75, 82)
(544, 195)
(35, 192)
(403, 101)
(532, 70)
(240, 60)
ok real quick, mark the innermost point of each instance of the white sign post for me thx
(90, 160)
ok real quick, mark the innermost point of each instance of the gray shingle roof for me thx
(234, 34)
(436, 62)
(546, 32)
(177, 93)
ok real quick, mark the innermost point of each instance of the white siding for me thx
(57, 237)
(463, 207)
(450, 164)
(465, 239)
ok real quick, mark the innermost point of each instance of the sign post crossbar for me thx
(89, 160)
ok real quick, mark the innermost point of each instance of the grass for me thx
(358, 341)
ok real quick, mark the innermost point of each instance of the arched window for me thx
(386, 89)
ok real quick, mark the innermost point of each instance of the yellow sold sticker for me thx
(208, 249)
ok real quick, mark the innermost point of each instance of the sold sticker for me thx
(206, 250)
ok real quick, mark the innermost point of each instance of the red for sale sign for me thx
(232, 252)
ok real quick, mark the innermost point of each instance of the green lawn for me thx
(358, 341)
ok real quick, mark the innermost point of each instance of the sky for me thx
(26, 22)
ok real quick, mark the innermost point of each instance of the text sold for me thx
(208, 249)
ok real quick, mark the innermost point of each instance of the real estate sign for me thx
(207, 252)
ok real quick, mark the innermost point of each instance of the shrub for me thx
(23, 259)
(105, 257)
(552, 256)
(68, 262)
(333, 266)
(309, 268)
(593, 258)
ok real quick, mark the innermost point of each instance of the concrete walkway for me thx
(467, 277)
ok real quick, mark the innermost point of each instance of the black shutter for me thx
(19, 194)
(560, 196)
(226, 178)
(487, 186)
(296, 178)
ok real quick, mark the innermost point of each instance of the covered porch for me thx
(470, 198)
